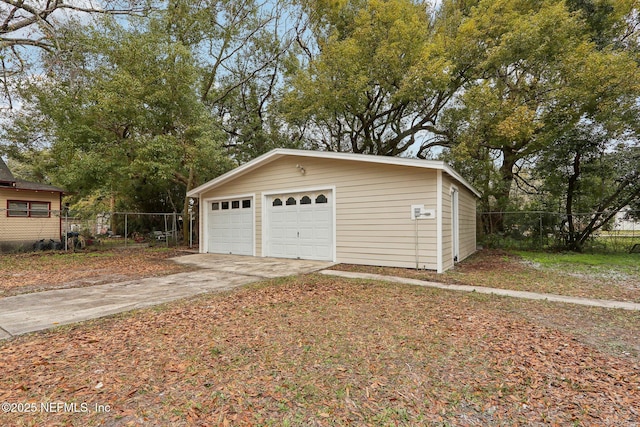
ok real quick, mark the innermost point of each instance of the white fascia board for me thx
(455, 175)
(280, 152)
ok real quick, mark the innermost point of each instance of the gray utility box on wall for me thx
(419, 212)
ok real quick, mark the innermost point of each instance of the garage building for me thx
(340, 207)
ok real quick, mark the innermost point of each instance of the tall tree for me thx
(591, 177)
(246, 43)
(27, 26)
(531, 88)
(123, 118)
(376, 77)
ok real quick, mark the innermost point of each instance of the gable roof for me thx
(282, 152)
(7, 180)
(6, 177)
(35, 186)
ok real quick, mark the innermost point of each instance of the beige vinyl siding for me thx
(467, 202)
(16, 229)
(447, 228)
(372, 203)
(466, 222)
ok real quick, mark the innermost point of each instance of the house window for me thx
(39, 210)
(246, 204)
(321, 199)
(277, 202)
(235, 204)
(225, 205)
(18, 209)
(306, 200)
(291, 201)
(215, 206)
(29, 209)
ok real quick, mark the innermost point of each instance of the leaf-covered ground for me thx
(38, 271)
(314, 350)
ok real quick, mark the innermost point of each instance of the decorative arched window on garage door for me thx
(277, 202)
(291, 201)
(305, 200)
(321, 198)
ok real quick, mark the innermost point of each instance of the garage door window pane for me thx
(291, 201)
(215, 206)
(306, 200)
(321, 199)
(246, 204)
(277, 202)
(225, 205)
(235, 204)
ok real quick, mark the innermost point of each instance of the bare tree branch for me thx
(31, 24)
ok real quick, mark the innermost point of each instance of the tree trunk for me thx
(186, 218)
(572, 241)
(112, 215)
(503, 189)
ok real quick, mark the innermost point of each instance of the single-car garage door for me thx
(300, 225)
(230, 226)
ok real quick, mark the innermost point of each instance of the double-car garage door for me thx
(296, 225)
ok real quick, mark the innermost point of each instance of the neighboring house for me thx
(624, 221)
(347, 208)
(28, 211)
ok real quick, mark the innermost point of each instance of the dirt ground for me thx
(612, 331)
(504, 270)
(317, 351)
(38, 271)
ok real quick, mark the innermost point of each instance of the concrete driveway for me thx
(42, 310)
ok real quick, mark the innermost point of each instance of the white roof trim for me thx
(281, 152)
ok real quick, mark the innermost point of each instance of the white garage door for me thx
(230, 226)
(300, 225)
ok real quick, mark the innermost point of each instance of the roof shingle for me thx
(7, 179)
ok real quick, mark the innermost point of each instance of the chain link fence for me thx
(38, 229)
(32, 229)
(535, 230)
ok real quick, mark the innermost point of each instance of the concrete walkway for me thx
(483, 290)
(42, 310)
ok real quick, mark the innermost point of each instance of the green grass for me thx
(584, 263)
(613, 260)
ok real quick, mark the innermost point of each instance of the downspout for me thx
(417, 244)
(440, 268)
(60, 214)
(201, 237)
